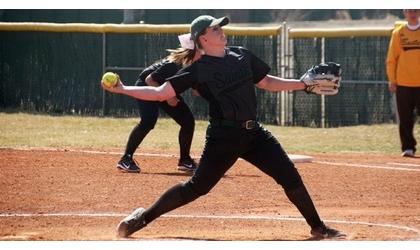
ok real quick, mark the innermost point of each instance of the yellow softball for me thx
(110, 79)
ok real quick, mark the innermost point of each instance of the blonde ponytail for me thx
(181, 56)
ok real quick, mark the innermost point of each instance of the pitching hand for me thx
(116, 89)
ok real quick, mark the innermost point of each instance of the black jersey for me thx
(227, 83)
(160, 71)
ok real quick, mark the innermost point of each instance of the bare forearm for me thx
(146, 93)
(141, 92)
(275, 84)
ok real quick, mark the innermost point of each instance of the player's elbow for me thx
(268, 83)
(263, 83)
(161, 96)
(164, 93)
(148, 80)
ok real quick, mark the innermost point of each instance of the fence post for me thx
(104, 103)
(283, 74)
(290, 74)
(280, 72)
(323, 123)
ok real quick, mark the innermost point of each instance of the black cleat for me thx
(187, 165)
(132, 223)
(128, 165)
(325, 232)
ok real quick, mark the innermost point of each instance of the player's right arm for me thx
(158, 77)
(151, 82)
(178, 83)
(146, 93)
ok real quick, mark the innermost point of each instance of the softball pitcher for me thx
(226, 77)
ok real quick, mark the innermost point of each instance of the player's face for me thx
(412, 16)
(215, 36)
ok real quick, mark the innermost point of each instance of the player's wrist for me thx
(301, 85)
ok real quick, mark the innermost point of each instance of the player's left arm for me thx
(276, 84)
(268, 82)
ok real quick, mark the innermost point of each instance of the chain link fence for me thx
(363, 97)
(59, 73)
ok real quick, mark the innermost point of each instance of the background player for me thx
(226, 77)
(175, 107)
(403, 70)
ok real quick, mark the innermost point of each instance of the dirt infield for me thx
(79, 195)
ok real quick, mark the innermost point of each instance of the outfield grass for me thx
(20, 129)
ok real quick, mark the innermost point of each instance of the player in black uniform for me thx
(226, 77)
(175, 107)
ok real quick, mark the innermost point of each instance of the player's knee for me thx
(192, 191)
(290, 178)
(293, 183)
(187, 122)
(188, 126)
(147, 124)
(189, 193)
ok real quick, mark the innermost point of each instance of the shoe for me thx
(325, 232)
(128, 165)
(187, 165)
(408, 153)
(132, 223)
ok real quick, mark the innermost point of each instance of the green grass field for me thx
(33, 130)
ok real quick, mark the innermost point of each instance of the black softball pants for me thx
(149, 113)
(222, 149)
(408, 99)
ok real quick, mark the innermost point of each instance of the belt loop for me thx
(250, 124)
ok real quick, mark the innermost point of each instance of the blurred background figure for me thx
(403, 70)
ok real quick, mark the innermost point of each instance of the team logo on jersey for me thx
(409, 45)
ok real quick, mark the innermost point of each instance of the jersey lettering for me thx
(230, 82)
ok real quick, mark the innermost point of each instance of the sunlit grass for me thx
(19, 130)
